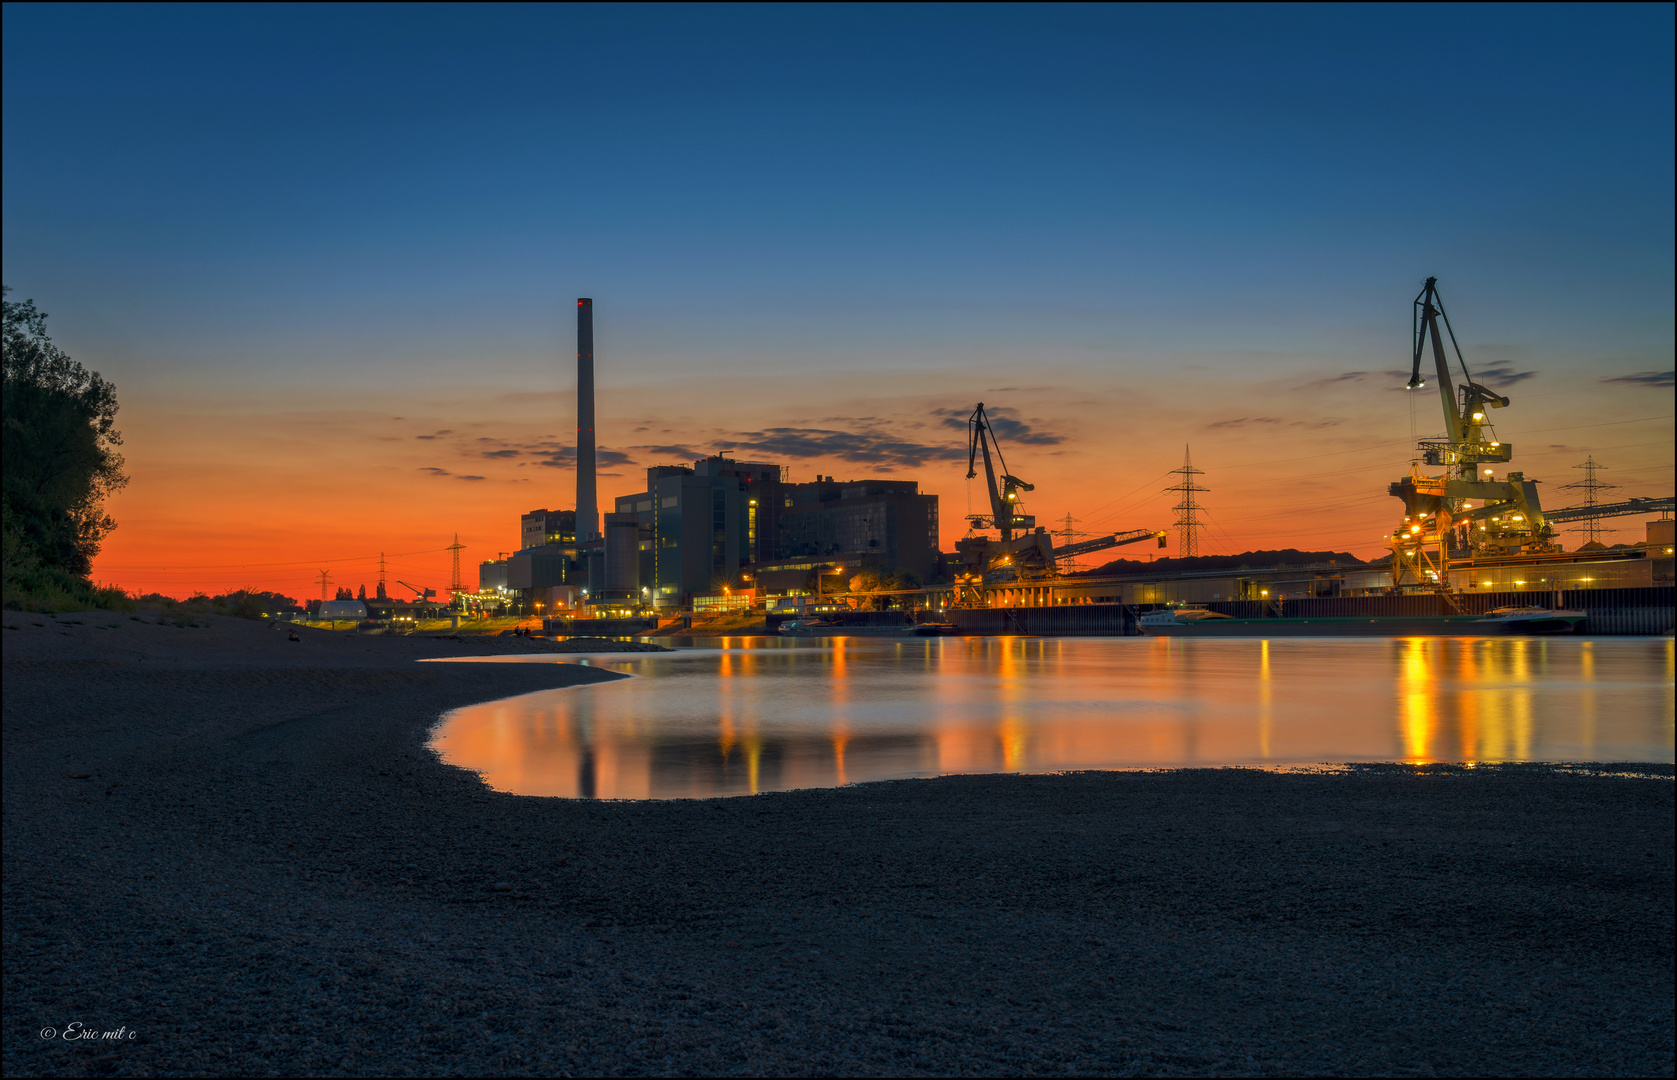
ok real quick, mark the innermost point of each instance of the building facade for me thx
(540, 527)
(882, 524)
(701, 529)
(695, 527)
(548, 558)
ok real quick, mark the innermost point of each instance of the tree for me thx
(60, 458)
(362, 594)
(343, 594)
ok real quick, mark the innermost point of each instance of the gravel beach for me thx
(236, 850)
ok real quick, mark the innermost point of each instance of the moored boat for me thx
(1532, 620)
(1193, 621)
(816, 626)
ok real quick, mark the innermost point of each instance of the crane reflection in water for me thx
(756, 715)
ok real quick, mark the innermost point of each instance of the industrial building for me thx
(701, 529)
(883, 524)
(548, 569)
(690, 531)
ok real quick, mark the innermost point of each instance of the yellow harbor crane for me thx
(1025, 550)
(1438, 516)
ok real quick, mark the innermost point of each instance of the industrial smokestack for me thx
(587, 506)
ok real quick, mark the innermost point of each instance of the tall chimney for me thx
(587, 505)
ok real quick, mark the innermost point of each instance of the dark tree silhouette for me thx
(60, 458)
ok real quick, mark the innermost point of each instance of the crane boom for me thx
(1004, 498)
(1101, 543)
(978, 441)
(1462, 420)
(1024, 552)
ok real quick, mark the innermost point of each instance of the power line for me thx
(300, 562)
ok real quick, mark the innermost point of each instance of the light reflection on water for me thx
(756, 714)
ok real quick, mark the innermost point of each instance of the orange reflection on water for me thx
(778, 715)
(1417, 675)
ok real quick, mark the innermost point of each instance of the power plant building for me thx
(696, 529)
(548, 553)
(883, 524)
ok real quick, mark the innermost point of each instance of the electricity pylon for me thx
(454, 549)
(1187, 511)
(1067, 537)
(1590, 526)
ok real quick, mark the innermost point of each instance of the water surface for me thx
(759, 714)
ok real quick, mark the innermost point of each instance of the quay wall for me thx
(1647, 610)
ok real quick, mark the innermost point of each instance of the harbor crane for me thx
(1025, 551)
(419, 595)
(1438, 518)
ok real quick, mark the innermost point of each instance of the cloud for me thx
(564, 457)
(1645, 378)
(501, 453)
(1018, 431)
(867, 447)
(438, 435)
(672, 451)
(471, 478)
(1502, 373)
(1243, 421)
(434, 471)
(1344, 377)
(1005, 423)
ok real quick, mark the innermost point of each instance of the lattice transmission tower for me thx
(1590, 526)
(1187, 511)
(454, 549)
(1067, 537)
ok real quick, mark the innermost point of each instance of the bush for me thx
(29, 586)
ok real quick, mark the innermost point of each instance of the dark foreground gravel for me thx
(236, 851)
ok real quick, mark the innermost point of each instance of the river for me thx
(744, 715)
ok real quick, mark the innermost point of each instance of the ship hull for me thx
(1418, 626)
(860, 631)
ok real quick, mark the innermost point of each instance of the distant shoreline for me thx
(239, 848)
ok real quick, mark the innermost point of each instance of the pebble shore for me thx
(236, 851)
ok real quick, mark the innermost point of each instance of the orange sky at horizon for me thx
(238, 489)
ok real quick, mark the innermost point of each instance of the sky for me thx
(329, 256)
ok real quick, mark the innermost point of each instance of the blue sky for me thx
(321, 205)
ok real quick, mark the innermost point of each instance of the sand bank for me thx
(237, 849)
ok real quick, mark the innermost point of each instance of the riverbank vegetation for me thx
(60, 464)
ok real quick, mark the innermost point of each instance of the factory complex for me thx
(717, 535)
